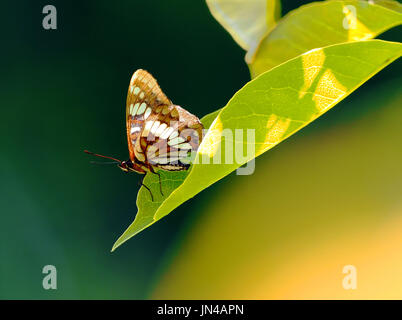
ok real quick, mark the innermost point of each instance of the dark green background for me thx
(63, 91)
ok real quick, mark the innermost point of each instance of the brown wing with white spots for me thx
(173, 138)
(159, 133)
(143, 96)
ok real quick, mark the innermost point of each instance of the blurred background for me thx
(327, 197)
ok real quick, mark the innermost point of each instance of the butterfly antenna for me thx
(100, 162)
(101, 156)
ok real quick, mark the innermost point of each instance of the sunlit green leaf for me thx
(288, 230)
(321, 24)
(276, 105)
(246, 21)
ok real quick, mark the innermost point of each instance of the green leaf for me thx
(276, 104)
(321, 24)
(332, 197)
(246, 21)
(146, 207)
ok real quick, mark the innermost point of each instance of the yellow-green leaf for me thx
(276, 105)
(332, 198)
(321, 24)
(246, 21)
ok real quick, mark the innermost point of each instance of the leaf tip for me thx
(118, 243)
(114, 247)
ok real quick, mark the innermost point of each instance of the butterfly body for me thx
(128, 166)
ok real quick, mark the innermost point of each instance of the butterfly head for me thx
(130, 166)
(124, 165)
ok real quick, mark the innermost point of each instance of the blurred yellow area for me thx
(324, 199)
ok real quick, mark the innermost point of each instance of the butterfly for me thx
(160, 134)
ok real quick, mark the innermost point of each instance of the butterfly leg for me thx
(143, 185)
(160, 181)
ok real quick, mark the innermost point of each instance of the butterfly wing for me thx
(175, 135)
(159, 133)
(142, 97)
